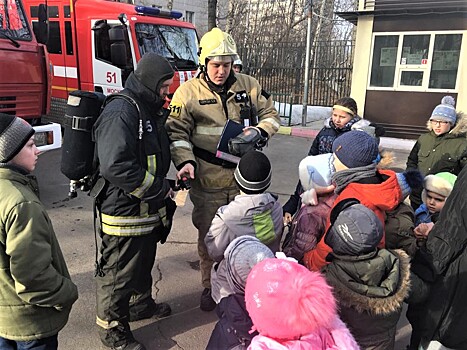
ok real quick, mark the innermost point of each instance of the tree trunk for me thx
(212, 14)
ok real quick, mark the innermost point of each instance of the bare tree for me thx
(212, 14)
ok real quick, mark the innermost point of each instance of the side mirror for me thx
(118, 54)
(42, 32)
(118, 48)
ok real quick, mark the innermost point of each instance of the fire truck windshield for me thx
(177, 44)
(13, 22)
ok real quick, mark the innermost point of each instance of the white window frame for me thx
(426, 68)
(192, 16)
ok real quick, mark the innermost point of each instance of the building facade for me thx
(408, 55)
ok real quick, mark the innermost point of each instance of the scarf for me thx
(344, 177)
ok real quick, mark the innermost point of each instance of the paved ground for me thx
(176, 272)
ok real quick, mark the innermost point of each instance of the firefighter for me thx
(198, 111)
(238, 65)
(134, 158)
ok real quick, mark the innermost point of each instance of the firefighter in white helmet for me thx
(238, 66)
(199, 110)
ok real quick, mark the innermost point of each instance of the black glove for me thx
(248, 140)
(170, 207)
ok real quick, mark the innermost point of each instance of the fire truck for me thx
(95, 44)
(25, 75)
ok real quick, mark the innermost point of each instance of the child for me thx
(443, 148)
(37, 292)
(309, 222)
(254, 213)
(436, 189)
(370, 284)
(356, 156)
(293, 308)
(232, 329)
(344, 115)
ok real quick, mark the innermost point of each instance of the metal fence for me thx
(280, 69)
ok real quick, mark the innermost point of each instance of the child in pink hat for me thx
(293, 308)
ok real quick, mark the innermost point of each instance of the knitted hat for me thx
(14, 134)
(253, 173)
(286, 301)
(355, 149)
(152, 70)
(440, 183)
(316, 171)
(355, 229)
(241, 255)
(446, 111)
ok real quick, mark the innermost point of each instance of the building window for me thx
(415, 61)
(190, 16)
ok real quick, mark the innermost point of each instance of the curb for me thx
(388, 142)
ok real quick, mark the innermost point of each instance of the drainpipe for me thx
(307, 63)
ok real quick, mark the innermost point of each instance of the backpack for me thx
(79, 162)
(306, 229)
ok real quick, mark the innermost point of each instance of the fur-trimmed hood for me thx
(376, 283)
(460, 128)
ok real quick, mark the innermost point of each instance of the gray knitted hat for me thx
(14, 133)
(241, 255)
(152, 70)
(355, 231)
(253, 173)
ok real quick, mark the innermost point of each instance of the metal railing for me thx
(280, 69)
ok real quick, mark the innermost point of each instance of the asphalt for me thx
(176, 276)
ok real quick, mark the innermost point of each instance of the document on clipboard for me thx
(231, 130)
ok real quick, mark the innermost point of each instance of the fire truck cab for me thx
(95, 44)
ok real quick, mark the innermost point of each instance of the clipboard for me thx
(231, 130)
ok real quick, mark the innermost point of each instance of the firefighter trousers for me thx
(205, 205)
(126, 282)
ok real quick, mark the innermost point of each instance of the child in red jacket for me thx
(356, 156)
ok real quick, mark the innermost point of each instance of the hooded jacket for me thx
(197, 118)
(442, 264)
(132, 202)
(36, 290)
(379, 197)
(432, 154)
(370, 290)
(257, 215)
(326, 136)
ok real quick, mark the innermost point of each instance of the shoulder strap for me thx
(131, 101)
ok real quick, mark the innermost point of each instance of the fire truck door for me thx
(61, 47)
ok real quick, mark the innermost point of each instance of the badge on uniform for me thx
(209, 101)
(175, 109)
(241, 97)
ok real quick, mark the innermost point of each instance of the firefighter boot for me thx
(148, 309)
(119, 338)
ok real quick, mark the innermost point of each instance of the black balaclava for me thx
(152, 70)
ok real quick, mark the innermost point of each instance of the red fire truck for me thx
(25, 78)
(95, 44)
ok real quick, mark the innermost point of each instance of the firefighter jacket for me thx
(36, 289)
(197, 118)
(132, 201)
